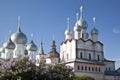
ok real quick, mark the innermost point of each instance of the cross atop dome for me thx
(81, 10)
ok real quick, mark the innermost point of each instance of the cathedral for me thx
(85, 55)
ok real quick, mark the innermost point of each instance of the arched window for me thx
(96, 69)
(81, 67)
(89, 68)
(98, 57)
(85, 68)
(89, 56)
(92, 69)
(67, 56)
(81, 55)
(78, 67)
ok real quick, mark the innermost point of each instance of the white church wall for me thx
(96, 76)
(68, 50)
(109, 66)
(19, 50)
(95, 71)
(110, 77)
(8, 54)
(80, 44)
(98, 47)
(89, 45)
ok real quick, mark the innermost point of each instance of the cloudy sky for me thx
(48, 18)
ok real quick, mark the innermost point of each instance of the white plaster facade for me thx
(85, 55)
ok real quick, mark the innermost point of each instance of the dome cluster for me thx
(19, 38)
(81, 27)
(16, 44)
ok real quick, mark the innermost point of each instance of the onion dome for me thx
(81, 21)
(94, 31)
(19, 37)
(2, 50)
(53, 53)
(9, 44)
(77, 27)
(68, 31)
(31, 46)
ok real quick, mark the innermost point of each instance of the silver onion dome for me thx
(9, 44)
(68, 32)
(77, 27)
(19, 37)
(31, 46)
(94, 31)
(82, 23)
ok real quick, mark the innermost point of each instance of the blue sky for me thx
(45, 18)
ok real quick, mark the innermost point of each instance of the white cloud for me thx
(116, 30)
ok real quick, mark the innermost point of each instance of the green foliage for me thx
(83, 78)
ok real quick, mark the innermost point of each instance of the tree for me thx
(83, 78)
(24, 69)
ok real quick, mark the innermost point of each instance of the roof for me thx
(83, 41)
(89, 61)
(108, 60)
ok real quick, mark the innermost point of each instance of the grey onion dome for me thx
(94, 31)
(31, 46)
(19, 37)
(9, 44)
(77, 27)
(68, 32)
(82, 23)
